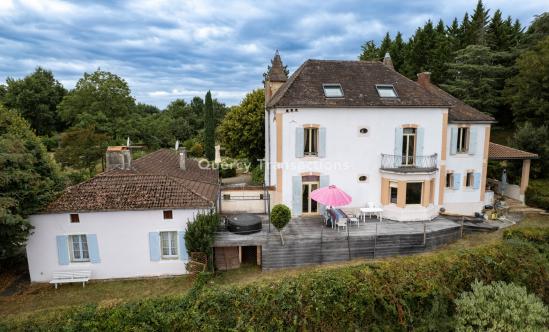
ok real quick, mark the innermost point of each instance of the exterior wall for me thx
(349, 154)
(465, 200)
(123, 242)
(243, 200)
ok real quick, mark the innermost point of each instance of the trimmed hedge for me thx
(537, 194)
(531, 234)
(400, 294)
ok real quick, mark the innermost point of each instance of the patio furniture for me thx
(341, 223)
(352, 217)
(63, 277)
(371, 209)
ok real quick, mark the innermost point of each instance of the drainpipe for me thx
(268, 145)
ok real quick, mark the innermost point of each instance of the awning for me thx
(502, 152)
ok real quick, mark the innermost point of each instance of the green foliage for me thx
(29, 180)
(537, 194)
(402, 294)
(370, 52)
(36, 98)
(500, 307)
(539, 235)
(258, 175)
(100, 99)
(241, 132)
(82, 148)
(227, 171)
(528, 91)
(533, 139)
(199, 236)
(280, 216)
(209, 128)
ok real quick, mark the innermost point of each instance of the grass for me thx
(41, 299)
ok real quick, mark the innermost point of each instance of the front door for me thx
(309, 205)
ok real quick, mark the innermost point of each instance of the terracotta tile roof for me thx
(459, 112)
(358, 80)
(154, 182)
(502, 152)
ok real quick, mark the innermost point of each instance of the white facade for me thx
(123, 243)
(348, 154)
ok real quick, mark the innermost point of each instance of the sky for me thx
(168, 49)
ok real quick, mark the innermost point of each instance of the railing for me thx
(409, 163)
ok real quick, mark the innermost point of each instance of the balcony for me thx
(409, 164)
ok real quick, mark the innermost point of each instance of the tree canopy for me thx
(36, 97)
(29, 179)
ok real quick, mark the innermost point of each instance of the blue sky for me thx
(178, 49)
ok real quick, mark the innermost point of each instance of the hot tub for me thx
(244, 223)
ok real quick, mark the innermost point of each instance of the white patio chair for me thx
(341, 223)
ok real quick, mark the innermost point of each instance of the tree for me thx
(145, 109)
(534, 139)
(200, 234)
(385, 45)
(280, 216)
(209, 128)
(479, 21)
(528, 91)
(477, 79)
(29, 180)
(36, 98)
(500, 307)
(538, 30)
(100, 99)
(241, 132)
(370, 52)
(82, 148)
(398, 49)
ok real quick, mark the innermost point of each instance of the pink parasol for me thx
(331, 195)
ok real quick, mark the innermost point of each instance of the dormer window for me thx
(333, 90)
(386, 91)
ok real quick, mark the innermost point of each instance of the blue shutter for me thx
(324, 182)
(154, 246)
(93, 248)
(299, 145)
(476, 181)
(457, 181)
(183, 255)
(419, 144)
(453, 140)
(398, 141)
(322, 142)
(297, 195)
(62, 249)
(473, 132)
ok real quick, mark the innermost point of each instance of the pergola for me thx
(502, 152)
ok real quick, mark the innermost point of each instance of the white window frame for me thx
(333, 87)
(308, 140)
(81, 240)
(172, 245)
(463, 135)
(450, 184)
(469, 179)
(409, 150)
(386, 87)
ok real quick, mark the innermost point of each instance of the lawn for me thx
(43, 298)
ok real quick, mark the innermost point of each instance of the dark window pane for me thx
(305, 199)
(313, 202)
(394, 192)
(413, 193)
(306, 138)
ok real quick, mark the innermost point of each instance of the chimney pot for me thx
(424, 78)
(182, 159)
(387, 61)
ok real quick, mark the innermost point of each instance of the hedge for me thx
(537, 194)
(400, 294)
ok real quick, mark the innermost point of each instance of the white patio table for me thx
(371, 210)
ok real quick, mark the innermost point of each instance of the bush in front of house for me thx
(258, 175)
(399, 294)
(227, 171)
(537, 194)
(200, 233)
(500, 307)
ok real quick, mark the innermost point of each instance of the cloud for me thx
(169, 49)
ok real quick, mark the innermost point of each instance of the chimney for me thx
(387, 61)
(275, 77)
(424, 78)
(118, 157)
(183, 158)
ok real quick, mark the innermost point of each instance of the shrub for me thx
(531, 234)
(258, 173)
(537, 194)
(227, 171)
(200, 233)
(196, 150)
(280, 216)
(500, 307)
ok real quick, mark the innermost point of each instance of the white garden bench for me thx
(63, 277)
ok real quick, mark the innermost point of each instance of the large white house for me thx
(381, 137)
(129, 221)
